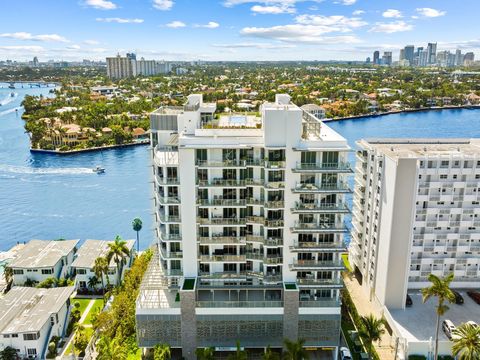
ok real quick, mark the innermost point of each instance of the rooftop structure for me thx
(265, 248)
(93, 249)
(42, 253)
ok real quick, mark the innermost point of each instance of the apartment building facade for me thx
(415, 212)
(249, 226)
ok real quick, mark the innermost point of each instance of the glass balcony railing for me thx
(221, 183)
(166, 200)
(316, 227)
(222, 258)
(169, 237)
(239, 304)
(316, 207)
(315, 264)
(222, 240)
(314, 246)
(318, 188)
(221, 202)
(221, 163)
(320, 303)
(326, 283)
(168, 181)
(221, 221)
(323, 167)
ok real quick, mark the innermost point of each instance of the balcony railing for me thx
(221, 221)
(171, 254)
(334, 283)
(274, 204)
(166, 200)
(168, 181)
(315, 207)
(323, 167)
(314, 246)
(221, 163)
(221, 202)
(164, 218)
(320, 303)
(266, 242)
(221, 183)
(223, 258)
(314, 264)
(256, 219)
(318, 188)
(274, 164)
(239, 304)
(314, 227)
(222, 240)
(169, 237)
(275, 184)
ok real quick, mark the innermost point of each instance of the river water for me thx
(48, 197)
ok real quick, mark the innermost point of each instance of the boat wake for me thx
(9, 111)
(8, 99)
(45, 171)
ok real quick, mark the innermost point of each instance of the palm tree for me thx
(110, 349)
(162, 352)
(239, 354)
(372, 330)
(466, 342)
(92, 282)
(440, 288)
(118, 251)
(8, 275)
(295, 350)
(100, 268)
(137, 226)
(270, 355)
(205, 353)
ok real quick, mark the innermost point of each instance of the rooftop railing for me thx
(239, 304)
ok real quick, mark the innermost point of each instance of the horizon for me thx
(231, 30)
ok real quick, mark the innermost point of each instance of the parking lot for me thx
(417, 323)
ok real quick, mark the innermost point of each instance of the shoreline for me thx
(79, 151)
(450, 107)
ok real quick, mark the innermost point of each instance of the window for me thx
(14, 335)
(6, 336)
(443, 177)
(308, 157)
(17, 272)
(47, 271)
(81, 271)
(31, 336)
(32, 352)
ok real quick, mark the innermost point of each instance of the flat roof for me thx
(42, 253)
(26, 309)
(417, 323)
(93, 249)
(420, 148)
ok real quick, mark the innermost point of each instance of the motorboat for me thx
(12, 94)
(11, 86)
(98, 170)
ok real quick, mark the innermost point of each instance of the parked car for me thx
(458, 297)
(408, 301)
(475, 296)
(448, 328)
(345, 354)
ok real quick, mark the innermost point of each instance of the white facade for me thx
(43, 259)
(30, 317)
(416, 208)
(266, 195)
(125, 67)
(119, 67)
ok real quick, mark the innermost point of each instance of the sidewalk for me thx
(365, 307)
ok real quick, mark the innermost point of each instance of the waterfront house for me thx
(315, 110)
(43, 259)
(30, 317)
(85, 260)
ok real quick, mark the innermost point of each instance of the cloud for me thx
(73, 47)
(29, 36)
(120, 20)
(176, 24)
(347, 2)
(210, 25)
(91, 42)
(163, 4)
(101, 4)
(273, 9)
(332, 23)
(429, 12)
(30, 48)
(392, 27)
(254, 45)
(358, 12)
(392, 13)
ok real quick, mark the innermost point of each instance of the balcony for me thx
(221, 202)
(168, 200)
(314, 265)
(253, 201)
(167, 181)
(321, 188)
(266, 242)
(320, 283)
(221, 163)
(339, 208)
(220, 240)
(274, 185)
(337, 167)
(269, 259)
(221, 221)
(255, 220)
(274, 164)
(239, 304)
(169, 237)
(220, 183)
(300, 227)
(279, 204)
(318, 247)
(222, 258)
(320, 303)
(166, 219)
(170, 254)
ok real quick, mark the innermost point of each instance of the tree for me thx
(372, 330)
(162, 352)
(239, 354)
(8, 275)
(137, 226)
(80, 341)
(118, 251)
(100, 268)
(92, 282)
(466, 342)
(110, 349)
(294, 350)
(205, 353)
(440, 289)
(8, 353)
(270, 355)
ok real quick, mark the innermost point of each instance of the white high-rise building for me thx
(416, 211)
(249, 225)
(119, 67)
(124, 67)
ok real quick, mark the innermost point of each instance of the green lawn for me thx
(136, 356)
(346, 262)
(83, 304)
(88, 331)
(98, 304)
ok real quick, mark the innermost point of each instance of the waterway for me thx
(47, 196)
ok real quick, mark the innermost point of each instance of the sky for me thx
(232, 29)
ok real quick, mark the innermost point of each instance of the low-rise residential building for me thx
(315, 110)
(85, 260)
(43, 259)
(29, 317)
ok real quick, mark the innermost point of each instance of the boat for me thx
(98, 170)
(11, 86)
(12, 94)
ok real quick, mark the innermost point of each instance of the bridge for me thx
(32, 84)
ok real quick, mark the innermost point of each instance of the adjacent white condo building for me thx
(30, 317)
(43, 259)
(249, 225)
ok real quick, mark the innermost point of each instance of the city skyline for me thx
(230, 29)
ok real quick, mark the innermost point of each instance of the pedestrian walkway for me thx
(366, 307)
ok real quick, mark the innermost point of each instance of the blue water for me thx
(49, 196)
(45, 196)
